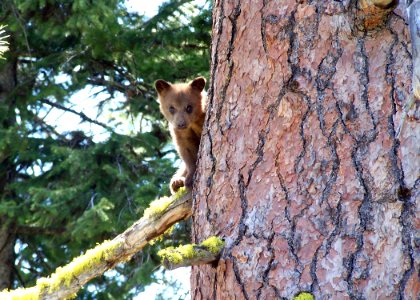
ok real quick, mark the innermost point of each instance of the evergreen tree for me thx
(62, 192)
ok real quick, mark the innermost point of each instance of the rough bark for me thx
(300, 169)
(7, 254)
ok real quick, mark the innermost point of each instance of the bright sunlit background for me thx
(145, 7)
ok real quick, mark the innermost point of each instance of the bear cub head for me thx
(181, 103)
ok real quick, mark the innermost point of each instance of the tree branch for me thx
(66, 281)
(192, 255)
(80, 114)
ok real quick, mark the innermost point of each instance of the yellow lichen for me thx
(65, 275)
(187, 251)
(84, 262)
(157, 207)
(213, 244)
(179, 254)
(181, 192)
(191, 251)
(304, 296)
(21, 294)
(170, 254)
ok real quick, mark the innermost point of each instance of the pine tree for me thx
(301, 170)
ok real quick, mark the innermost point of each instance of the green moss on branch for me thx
(192, 254)
(64, 276)
(159, 206)
(214, 244)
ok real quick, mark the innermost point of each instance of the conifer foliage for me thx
(61, 192)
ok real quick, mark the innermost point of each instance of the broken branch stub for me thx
(191, 255)
(373, 13)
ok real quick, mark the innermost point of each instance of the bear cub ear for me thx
(198, 84)
(162, 86)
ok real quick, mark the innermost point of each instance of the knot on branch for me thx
(373, 13)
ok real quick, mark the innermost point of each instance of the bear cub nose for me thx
(182, 125)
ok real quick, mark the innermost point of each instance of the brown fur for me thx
(183, 105)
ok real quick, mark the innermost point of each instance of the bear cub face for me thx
(181, 103)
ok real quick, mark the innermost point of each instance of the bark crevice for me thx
(210, 104)
(408, 214)
(233, 18)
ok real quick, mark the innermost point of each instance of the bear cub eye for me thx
(171, 109)
(189, 109)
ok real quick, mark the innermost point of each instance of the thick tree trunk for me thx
(300, 170)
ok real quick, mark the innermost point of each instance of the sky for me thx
(146, 7)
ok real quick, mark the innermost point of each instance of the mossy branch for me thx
(68, 280)
(192, 254)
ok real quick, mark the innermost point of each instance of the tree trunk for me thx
(7, 172)
(7, 254)
(300, 169)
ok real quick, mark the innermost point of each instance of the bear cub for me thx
(184, 106)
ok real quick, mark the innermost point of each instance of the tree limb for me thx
(68, 280)
(80, 114)
(192, 254)
(203, 257)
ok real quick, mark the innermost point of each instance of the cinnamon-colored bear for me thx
(184, 105)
